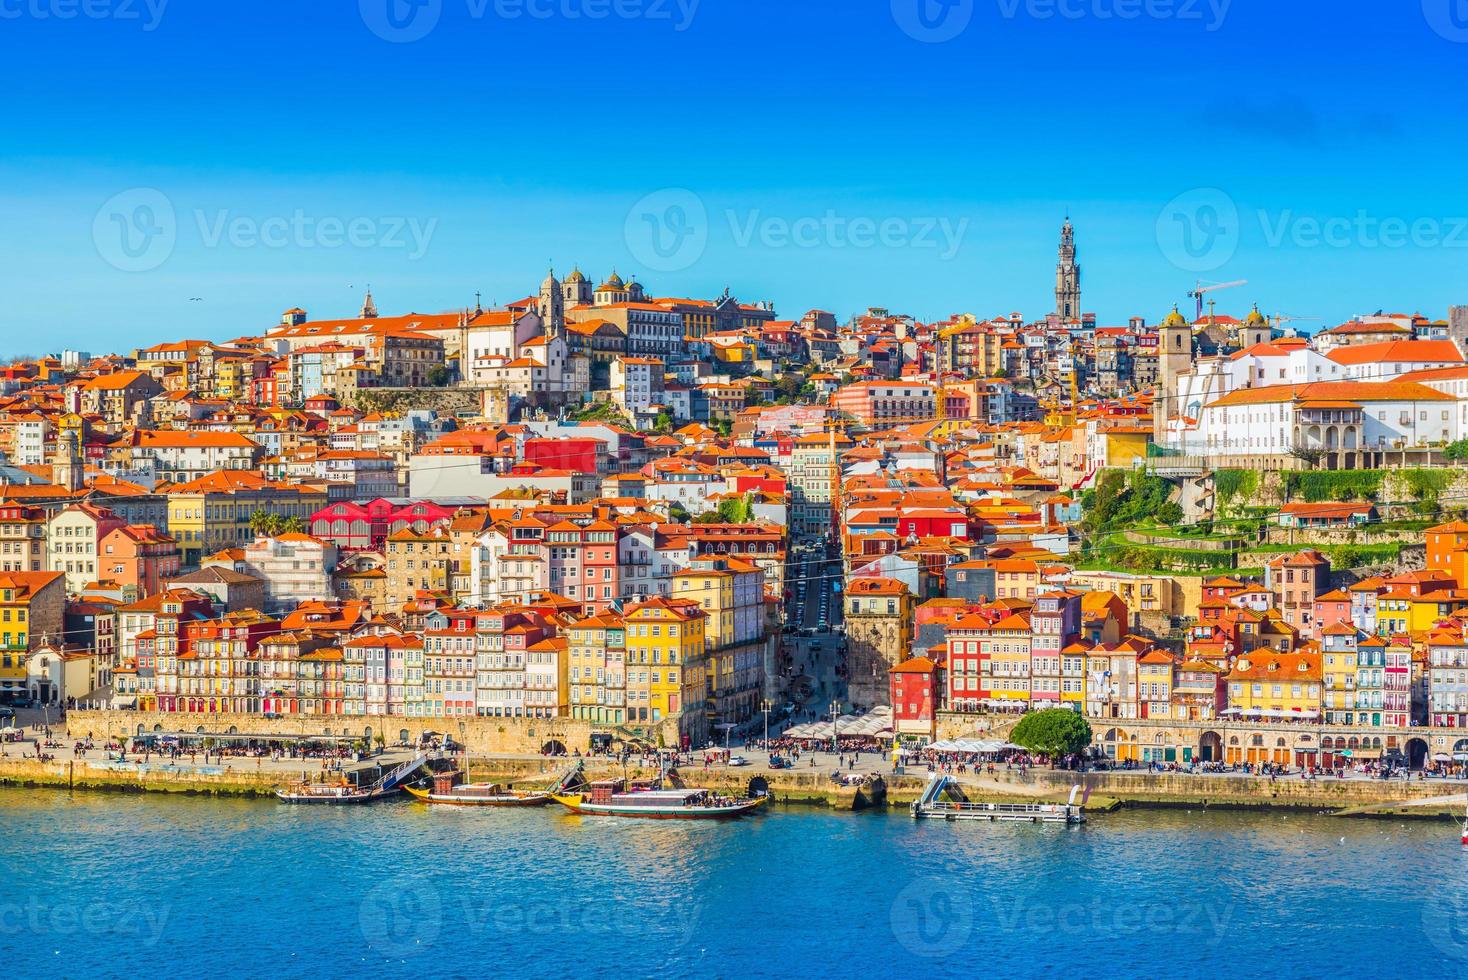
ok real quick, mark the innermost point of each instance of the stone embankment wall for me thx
(484, 736)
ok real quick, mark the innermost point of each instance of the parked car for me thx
(738, 760)
(781, 762)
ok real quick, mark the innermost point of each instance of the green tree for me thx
(735, 510)
(677, 513)
(1054, 732)
(1456, 451)
(265, 523)
(438, 376)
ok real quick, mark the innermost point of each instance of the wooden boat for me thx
(330, 794)
(609, 799)
(444, 789)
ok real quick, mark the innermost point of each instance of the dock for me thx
(944, 799)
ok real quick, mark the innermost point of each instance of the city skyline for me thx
(966, 154)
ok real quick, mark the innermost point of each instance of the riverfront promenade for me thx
(808, 783)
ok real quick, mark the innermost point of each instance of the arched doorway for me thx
(1210, 747)
(553, 747)
(1416, 753)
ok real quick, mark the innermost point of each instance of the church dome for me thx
(614, 281)
(576, 275)
(1175, 319)
(1255, 318)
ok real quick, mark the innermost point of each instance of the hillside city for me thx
(1220, 538)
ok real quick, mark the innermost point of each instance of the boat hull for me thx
(313, 799)
(577, 804)
(460, 799)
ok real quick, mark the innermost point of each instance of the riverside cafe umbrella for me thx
(971, 746)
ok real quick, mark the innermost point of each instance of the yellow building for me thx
(666, 677)
(32, 611)
(1008, 646)
(1270, 684)
(1155, 683)
(597, 660)
(1127, 444)
(213, 512)
(731, 593)
(1399, 611)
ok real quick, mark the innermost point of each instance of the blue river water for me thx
(98, 885)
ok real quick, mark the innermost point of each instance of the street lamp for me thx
(835, 713)
(765, 706)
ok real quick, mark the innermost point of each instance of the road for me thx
(814, 614)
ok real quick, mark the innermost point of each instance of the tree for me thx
(663, 423)
(438, 376)
(265, 523)
(1456, 451)
(1310, 457)
(1054, 732)
(677, 513)
(735, 510)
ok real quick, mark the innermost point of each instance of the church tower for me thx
(552, 306)
(577, 289)
(66, 465)
(369, 308)
(1067, 276)
(1174, 356)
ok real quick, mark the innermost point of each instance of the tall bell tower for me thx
(1067, 276)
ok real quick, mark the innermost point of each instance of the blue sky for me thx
(814, 153)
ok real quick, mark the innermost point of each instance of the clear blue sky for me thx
(145, 157)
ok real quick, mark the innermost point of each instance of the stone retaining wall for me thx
(485, 736)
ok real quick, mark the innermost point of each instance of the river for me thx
(130, 886)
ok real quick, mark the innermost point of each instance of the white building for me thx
(1344, 416)
(295, 568)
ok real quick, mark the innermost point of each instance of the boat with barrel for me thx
(448, 788)
(614, 798)
(347, 792)
(330, 794)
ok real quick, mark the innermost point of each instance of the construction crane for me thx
(1280, 319)
(1201, 288)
